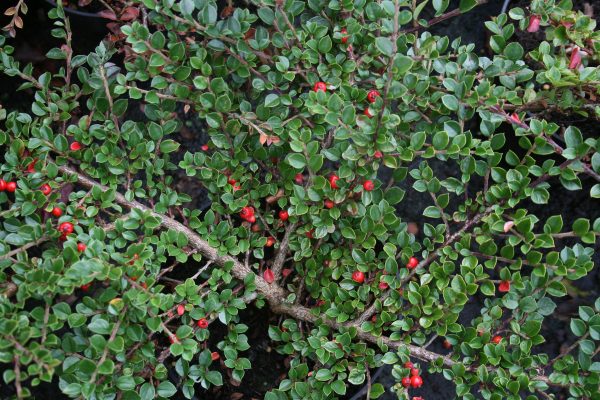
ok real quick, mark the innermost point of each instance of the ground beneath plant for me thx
(269, 367)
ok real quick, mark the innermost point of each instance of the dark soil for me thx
(268, 367)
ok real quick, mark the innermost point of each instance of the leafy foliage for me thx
(98, 308)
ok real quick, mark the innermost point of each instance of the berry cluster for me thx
(413, 380)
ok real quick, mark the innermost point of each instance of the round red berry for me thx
(447, 344)
(416, 381)
(65, 228)
(46, 189)
(231, 181)
(180, 310)
(247, 213)
(75, 146)
(378, 154)
(11, 187)
(309, 234)
(408, 364)
(504, 286)
(406, 381)
(320, 86)
(333, 181)
(368, 185)
(204, 147)
(497, 339)
(283, 215)
(57, 211)
(270, 241)
(214, 356)
(414, 371)
(2, 185)
(81, 247)
(85, 287)
(372, 96)
(383, 285)
(202, 323)
(329, 203)
(358, 276)
(299, 179)
(412, 263)
(368, 113)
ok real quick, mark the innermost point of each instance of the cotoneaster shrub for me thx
(324, 120)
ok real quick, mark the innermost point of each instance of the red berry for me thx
(2, 185)
(504, 286)
(251, 219)
(534, 24)
(57, 211)
(368, 185)
(372, 96)
(255, 228)
(417, 398)
(268, 276)
(81, 247)
(408, 364)
(231, 181)
(333, 181)
(412, 263)
(406, 381)
(283, 215)
(270, 241)
(247, 213)
(329, 203)
(414, 372)
(31, 166)
(358, 276)
(85, 287)
(368, 113)
(286, 272)
(416, 381)
(383, 285)
(173, 339)
(378, 154)
(144, 285)
(299, 178)
(75, 146)
(344, 31)
(496, 339)
(320, 86)
(214, 356)
(180, 310)
(66, 228)
(11, 187)
(202, 323)
(204, 147)
(309, 234)
(46, 189)
(447, 344)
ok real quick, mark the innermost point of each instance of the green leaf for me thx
(385, 45)
(296, 160)
(466, 5)
(166, 389)
(323, 375)
(325, 44)
(168, 146)
(578, 327)
(450, 101)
